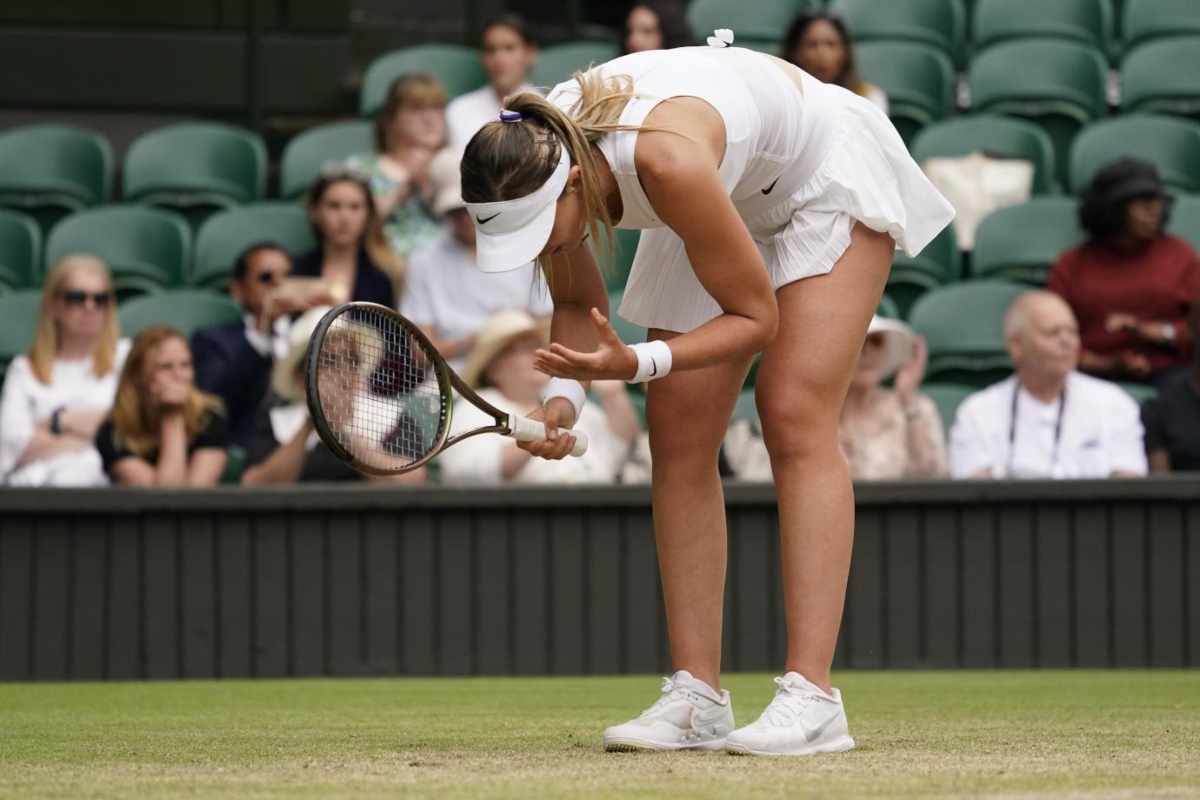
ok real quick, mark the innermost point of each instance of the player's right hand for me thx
(558, 415)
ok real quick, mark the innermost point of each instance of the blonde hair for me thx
(419, 90)
(135, 425)
(45, 338)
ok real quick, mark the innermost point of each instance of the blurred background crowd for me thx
(159, 340)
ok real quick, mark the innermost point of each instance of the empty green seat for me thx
(918, 80)
(185, 310)
(147, 249)
(1171, 144)
(1020, 243)
(615, 268)
(52, 170)
(769, 21)
(558, 63)
(1086, 21)
(1150, 19)
(964, 327)
(225, 235)
(19, 310)
(936, 265)
(994, 135)
(1185, 219)
(20, 251)
(308, 152)
(940, 23)
(947, 397)
(1163, 75)
(456, 67)
(195, 165)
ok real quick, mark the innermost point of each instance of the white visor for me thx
(510, 233)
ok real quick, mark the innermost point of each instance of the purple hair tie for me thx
(510, 116)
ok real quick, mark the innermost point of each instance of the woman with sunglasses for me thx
(56, 395)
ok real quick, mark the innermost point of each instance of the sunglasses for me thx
(76, 298)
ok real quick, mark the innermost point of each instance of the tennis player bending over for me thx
(772, 205)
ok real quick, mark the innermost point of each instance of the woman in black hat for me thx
(1131, 283)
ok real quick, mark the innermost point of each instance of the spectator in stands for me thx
(655, 25)
(445, 293)
(56, 396)
(501, 367)
(1172, 419)
(1047, 420)
(285, 448)
(162, 431)
(409, 131)
(1130, 285)
(508, 52)
(819, 44)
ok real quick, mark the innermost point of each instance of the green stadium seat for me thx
(185, 310)
(1163, 75)
(941, 23)
(226, 234)
(1058, 84)
(769, 22)
(629, 333)
(1087, 21)
(1150, 19)
(308, 152)
(19, 310)
(455, 66)
(1020, 243)
(615, 268)
(992, 135)
(964, 327)
(887, 308)
(1140, 392)
(746, 408)
(947, 397)
(1171, 144)
(147, 249)
(938, 264)
(53, 170)
(20, 251)
(558, 63)
(918, 79)
(1185, 219)
(196, 166)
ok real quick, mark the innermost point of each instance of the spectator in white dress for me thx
(508, 52)
(501, 368)
(55, 397)
(446, 295)
(1048, 420)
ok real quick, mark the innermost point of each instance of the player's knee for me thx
(797, 427)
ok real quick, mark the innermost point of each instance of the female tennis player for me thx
(772, 205)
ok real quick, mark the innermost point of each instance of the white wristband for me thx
(570, 389)
(654, 361)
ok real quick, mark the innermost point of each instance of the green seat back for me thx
(1086, 21)
(54, 167)
(308, 152)
(455, 66)
(746, 407)
(19, 310)
(1140, 392)
(185, 310)
(147, 249)
(919, 81)
(888, 308)
(911, 276)
(1185, 219)
(1163, 75)
(615, 267)
(941, 23)
(20, 251)
(1020, 243)
(947, 397)
(1171, 144)
(558, 63)
(629, 333)
(1150, 19)
(993, 135)
(196, 164)
(769, 22)
(964, 326)
(227, 234)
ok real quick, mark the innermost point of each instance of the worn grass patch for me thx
(942, 734)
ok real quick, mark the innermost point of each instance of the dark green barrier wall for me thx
(128, 584)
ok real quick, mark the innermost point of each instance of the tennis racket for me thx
(382, 398)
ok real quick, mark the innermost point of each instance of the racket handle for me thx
(525, 429)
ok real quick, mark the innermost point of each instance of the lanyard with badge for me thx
(1012, 431)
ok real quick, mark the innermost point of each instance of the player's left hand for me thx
(612, 358)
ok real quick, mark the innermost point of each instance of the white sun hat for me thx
(898, 342)
(510, 233)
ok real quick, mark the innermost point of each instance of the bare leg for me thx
(802, 383)
(688, 413)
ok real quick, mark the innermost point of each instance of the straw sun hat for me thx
(284, 378)
(501, 330)
(898, 343)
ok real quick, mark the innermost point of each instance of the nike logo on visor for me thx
(483, 221)
(772, 186)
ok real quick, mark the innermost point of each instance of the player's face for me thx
(821, 52)
(570, 224)
(642, 31)
(507, 58)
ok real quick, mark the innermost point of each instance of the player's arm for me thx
(576, 287)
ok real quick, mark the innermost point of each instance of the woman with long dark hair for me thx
(820, 44)
(655, 25)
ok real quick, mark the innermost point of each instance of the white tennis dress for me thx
(799, 167)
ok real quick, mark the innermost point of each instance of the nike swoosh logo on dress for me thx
(483, 221)
(772, 186)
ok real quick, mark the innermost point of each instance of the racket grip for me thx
(525, 429)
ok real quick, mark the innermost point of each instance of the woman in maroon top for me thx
(1130, 285)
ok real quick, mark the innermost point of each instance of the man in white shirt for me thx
(445, 294)
(1047, 420)
(508, 52)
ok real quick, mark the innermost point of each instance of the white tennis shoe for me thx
(802, 720)
(690, 715)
